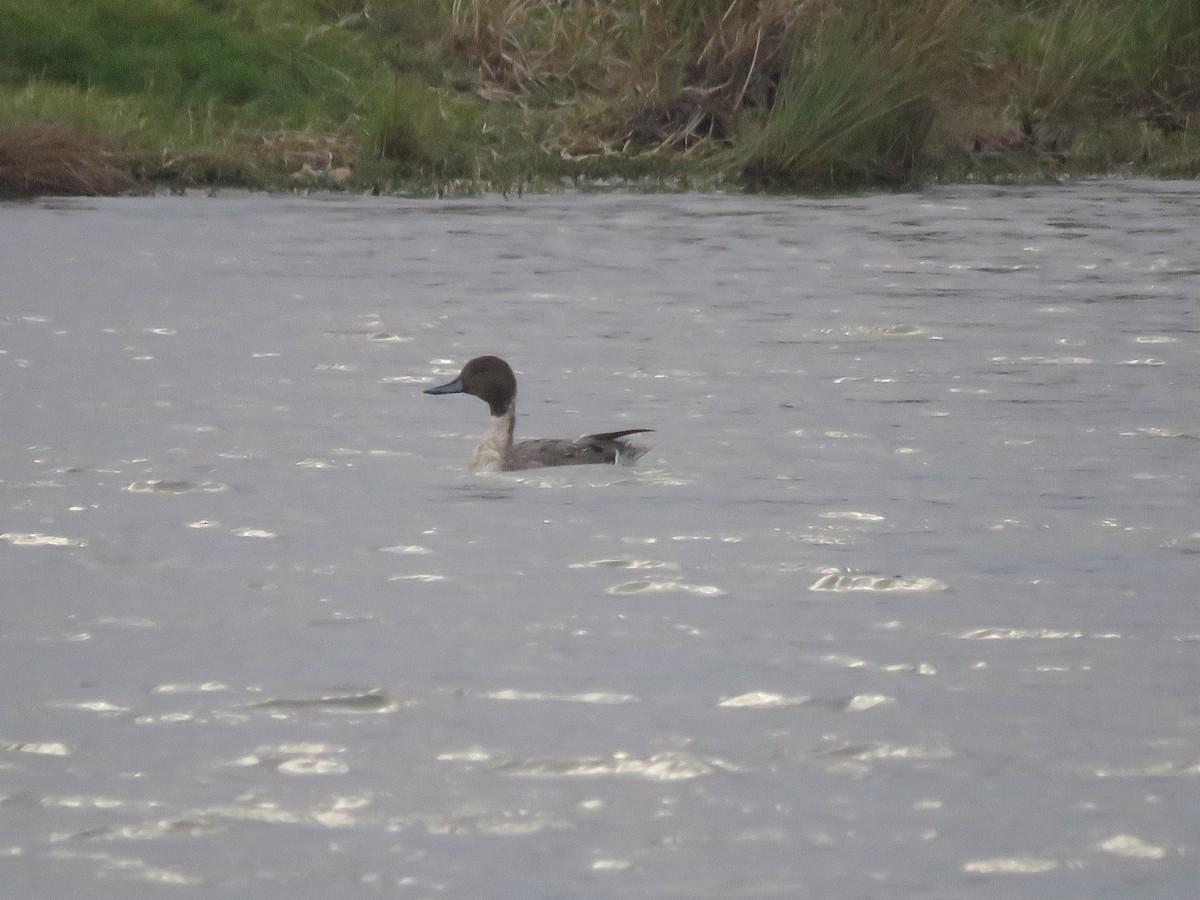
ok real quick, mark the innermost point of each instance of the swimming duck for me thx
(491, 379)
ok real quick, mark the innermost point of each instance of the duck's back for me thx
(610, 447)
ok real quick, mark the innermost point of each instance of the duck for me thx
(491, 379)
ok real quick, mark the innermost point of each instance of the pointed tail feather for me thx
(614, 442)
(615, 435)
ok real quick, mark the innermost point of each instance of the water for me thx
(901, 604)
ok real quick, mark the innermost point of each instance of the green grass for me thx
(479, 94)
(1084, 86)
(857, 104)
(187, 55)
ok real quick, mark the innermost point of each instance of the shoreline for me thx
(432, 97)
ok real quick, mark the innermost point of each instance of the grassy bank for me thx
(105, 96)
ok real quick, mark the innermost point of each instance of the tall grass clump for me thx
(1096, 84)
(1054, 60)
(421, 135)
(857, 101)
(1059, 56)
(1160, 58)
(1162, 61)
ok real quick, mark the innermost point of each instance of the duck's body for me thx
(491, 379)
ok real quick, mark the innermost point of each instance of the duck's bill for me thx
(452, 387)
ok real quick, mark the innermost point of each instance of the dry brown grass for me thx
(44, 159)
(701, 66)
(665, 74)
(55, 159)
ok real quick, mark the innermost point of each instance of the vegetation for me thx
(104, 96)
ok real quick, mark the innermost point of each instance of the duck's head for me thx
(489, 378)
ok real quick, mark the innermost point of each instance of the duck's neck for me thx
(497, 441)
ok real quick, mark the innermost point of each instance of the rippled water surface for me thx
(902, 603)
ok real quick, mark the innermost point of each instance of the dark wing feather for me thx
(614, 435)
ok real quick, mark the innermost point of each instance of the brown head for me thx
(487, 377)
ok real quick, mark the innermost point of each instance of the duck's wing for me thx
(615, 447)
(590, 449)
